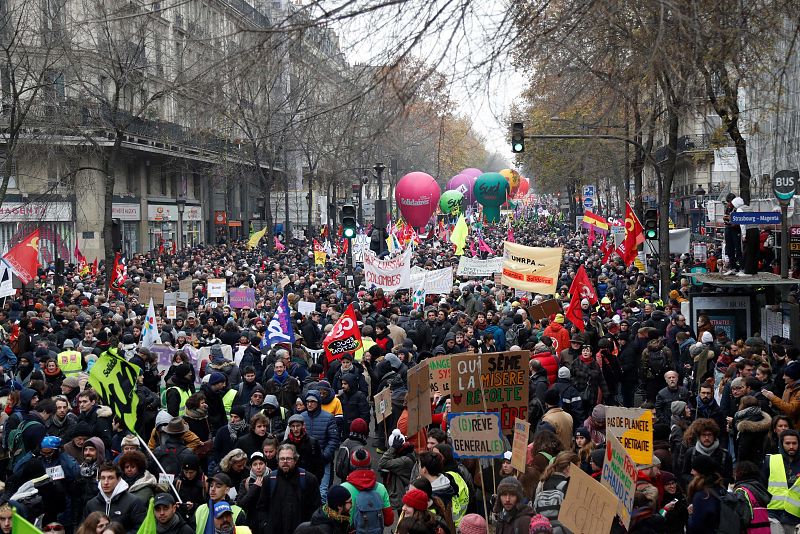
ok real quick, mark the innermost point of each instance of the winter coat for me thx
(517, 521)
(537, 386)
(559, 335)
(144, 487)
(291, 502)
(286, 391)
(562, 422)
(99, 420)
(308, 449)
(322, 426)
(549, 363)
(664, 401)
(751, 431)
(354, 406)
(122, 507)
(589, 381)
(570, 400)
(396, 466)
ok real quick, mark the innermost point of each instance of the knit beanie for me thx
(359, 426)
(416, 499)
(540, 525)
(510, 485)
(677, 407)
(472, 524)
(337, 496)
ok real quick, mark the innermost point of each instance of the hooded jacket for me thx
(365, 480)
(322, 426)
(396, 466)
(559, 335)
(121, 507)
(515, 521)
(752, 425)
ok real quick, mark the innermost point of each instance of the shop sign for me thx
(126, 212)
(220, 218)
(35, 211)
(158, 212)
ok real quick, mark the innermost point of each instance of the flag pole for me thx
(147, 448)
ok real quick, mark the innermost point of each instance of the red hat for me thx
(359, 426)
(416, 499)
(360, 458)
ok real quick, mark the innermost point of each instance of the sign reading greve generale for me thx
(476, 435)
(492, 382)
(532, 269)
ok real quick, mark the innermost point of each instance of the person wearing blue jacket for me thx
(322, 426)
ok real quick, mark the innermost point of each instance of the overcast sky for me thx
(461, 52)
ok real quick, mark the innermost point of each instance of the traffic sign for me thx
(756, 217)
(588, 202)
(784, 184)
(588, 190)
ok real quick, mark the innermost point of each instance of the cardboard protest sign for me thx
(619, 476)
(545, 309)
(383, 404)
(588, 507)
(185, 286)
(151, 290)
(439, 371)
(532, 269)
(492, 382)
(170, 299)
(242, 297)
(217, 288)
(306, 308)
(519, 444)
(633, 427)
(418, 398)
(284, 282)
(476, 435)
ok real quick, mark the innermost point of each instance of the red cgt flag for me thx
(580, 289)
(634, 236)
(24, 257)
(345, 337)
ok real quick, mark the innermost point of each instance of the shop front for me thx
(162, 223)
(129, 215)
(54, 221)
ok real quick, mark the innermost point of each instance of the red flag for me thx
(580, 289)
(345, 337)
(119, 274)
(607, 248)
(634, 236)
(24, 257)
(80, 259)
(590, 242)
(94, 268)
(510, 236)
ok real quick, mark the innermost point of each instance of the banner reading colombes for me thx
(345, 337)
(532, 269)
(389, 274)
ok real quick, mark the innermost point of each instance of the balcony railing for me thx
(686, 143)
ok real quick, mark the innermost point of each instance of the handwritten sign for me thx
(492, 382)
(545, 309)
(588, 507)
(418, 398)
(242, 297)
(306, 308)
(383, 404)
(439, 371)
(184, 291)
(172, 312)
(519, 444)
(151, 290)
(633, 427)
(170, 299)
(476, 435)
(619, 476)
(217, 288)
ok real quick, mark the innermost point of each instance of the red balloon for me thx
(417, 195)
(524, 187)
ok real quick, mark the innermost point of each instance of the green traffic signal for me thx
(517, 137)
(349, 233)
(650, 234)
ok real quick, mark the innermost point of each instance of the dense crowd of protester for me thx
(276, 439)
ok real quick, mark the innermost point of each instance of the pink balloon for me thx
(464, 184)
(417, 194)
(524, 187)
(472, 172)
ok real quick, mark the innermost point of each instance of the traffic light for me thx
(651, 224)
(349, 221)
(517, 137)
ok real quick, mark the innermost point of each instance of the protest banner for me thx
(545, 309)
(306, 308)
(242, 297)
(390, 274)
(439, 371)
(151, 290)
(532, 269)
(619, 476)
(588, 507)
(383, 404)
(492, 382)
(114, 380)
(345, 337)
(217, 288)
(418, 400)
(170, 299)
(476, 435)
(478, 268)
(519, 444)
(633, 427)
(438, 282)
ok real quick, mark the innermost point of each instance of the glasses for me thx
(53, 527)
(286, 460)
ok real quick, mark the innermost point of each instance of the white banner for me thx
(679, 239)
(478, 267)
(438, 282)
(360, 244)
(389, 274)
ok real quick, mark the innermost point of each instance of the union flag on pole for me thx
(23, 258)
(319, 253)
(119, 274)
(580, 289)
(345, 337)
(634, 236)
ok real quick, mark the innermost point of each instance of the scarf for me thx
(197, 413)
(49, 373)
(708, 451)
(751, 413)
(235, 428)
(587, 359)
(296, 439)
(336, 516)
(280, 379)
(169, 527)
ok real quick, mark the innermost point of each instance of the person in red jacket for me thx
(558, 333)
(548, 360)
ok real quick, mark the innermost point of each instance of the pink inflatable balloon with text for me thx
(417, 195)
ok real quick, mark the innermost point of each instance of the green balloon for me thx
(491, 190)
(451, 202)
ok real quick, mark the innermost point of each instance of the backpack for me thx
(734, 513)
(656, 362)
(368, 516)
(16, 447)
(170, 458)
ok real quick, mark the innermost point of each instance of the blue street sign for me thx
(588, 190)
(588, 202)
(756, 217)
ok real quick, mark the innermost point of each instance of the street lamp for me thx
(181, 203)
(700, 194)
